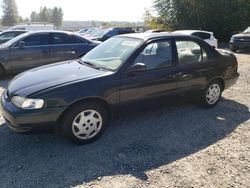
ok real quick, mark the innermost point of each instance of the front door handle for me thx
(178, 74)
(183, 76)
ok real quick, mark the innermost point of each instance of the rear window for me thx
(124, 31)
(202, 35)
(61, 38)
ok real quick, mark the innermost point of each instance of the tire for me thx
(233, 49)
(211, 95)
(1, 71)
(84, 123)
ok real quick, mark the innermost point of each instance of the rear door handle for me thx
(185, 76)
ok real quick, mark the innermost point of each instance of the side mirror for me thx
(21, 44)
(138, 67)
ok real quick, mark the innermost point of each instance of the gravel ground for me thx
(180, 145)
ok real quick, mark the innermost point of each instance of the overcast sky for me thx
(101, 10)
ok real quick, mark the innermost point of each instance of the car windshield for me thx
(247, 30)
(112, 53)
(99, 33)
(14, 40)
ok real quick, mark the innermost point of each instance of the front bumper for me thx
(24, 119)
(240, 45)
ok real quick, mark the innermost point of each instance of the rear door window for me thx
(61, 38)
(190, 52)
(75, 40)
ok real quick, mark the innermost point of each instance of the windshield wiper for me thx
(89, 64)
(93, 65)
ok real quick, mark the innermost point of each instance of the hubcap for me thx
(87, 124)
(213, 93)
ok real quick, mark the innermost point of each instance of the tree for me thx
(44, 15)
(152, 21)
(223, 17)
(57, 16)
(26, 20)
(10, 12)
(34, 17)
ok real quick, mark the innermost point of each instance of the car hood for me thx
(242, 35)
(41, 78)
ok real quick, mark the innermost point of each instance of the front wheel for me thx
(84, 123)
(211, 94)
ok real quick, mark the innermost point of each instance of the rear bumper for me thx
(24, 119)
(231, 81)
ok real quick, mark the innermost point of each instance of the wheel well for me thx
(221, 81)
(94, 100)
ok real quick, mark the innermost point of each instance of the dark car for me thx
(8, 35)
(104, 34)
(36, 48)
(80, 96)
(240, 41)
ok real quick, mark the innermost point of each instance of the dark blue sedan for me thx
(80, 96)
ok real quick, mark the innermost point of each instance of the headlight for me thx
(232, 39)
(24, 103)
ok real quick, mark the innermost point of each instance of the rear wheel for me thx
(211, 94)
(85, 123)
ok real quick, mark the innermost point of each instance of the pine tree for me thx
(10, 13)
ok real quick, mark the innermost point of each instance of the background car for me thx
(82, 31)
(38, 48)
(33, 27)
(204, 35)
(155, 31)
(81, 95)
(104, 34)
(240, 41)
(7, 35)
(88, 32)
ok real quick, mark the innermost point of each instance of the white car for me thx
(33, 27)
(205, 35)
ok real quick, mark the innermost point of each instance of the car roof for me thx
(14, 31)
(14, 40)
(189, 32)
(149, 36)
(49, 31)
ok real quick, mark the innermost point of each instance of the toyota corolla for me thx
(80, 96)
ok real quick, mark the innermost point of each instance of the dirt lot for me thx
(177, 146)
